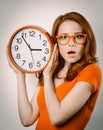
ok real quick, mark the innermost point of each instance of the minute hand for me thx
(29, 48)
(26, 42)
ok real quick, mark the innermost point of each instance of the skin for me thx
(59, 112)
(72, 29)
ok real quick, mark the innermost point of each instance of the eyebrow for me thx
(68, 33)
(78, 32)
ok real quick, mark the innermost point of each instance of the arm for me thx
(28, 111)
(59, 112)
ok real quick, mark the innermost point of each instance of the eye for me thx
(79, 36)
(63, 37)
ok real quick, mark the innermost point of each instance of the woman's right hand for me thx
(17, 71)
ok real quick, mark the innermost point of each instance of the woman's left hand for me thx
(48, 71)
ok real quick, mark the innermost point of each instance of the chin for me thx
(73, 60)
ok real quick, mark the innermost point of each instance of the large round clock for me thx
(30, 49)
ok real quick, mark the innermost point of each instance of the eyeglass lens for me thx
(78, 38)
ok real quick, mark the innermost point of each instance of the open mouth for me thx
(71, 52)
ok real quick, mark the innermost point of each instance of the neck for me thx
(63, 73)
(66, 65)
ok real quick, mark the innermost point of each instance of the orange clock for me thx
(30, 49)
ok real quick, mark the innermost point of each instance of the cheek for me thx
(80, 51)
(62, 50)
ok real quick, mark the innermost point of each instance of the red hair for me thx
(88, 56)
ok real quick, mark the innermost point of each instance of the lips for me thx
(71, 53)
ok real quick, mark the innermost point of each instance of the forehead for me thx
(69, 27)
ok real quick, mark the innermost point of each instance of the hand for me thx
(17, 71)
(52, 63)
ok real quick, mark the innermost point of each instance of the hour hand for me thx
(26, 42)
(36, 49)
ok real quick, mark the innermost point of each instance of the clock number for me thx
(23, 62)
(32, 33)
(30, 65)
(23, 35)
(44, 43)
(46, 50)
(40, 36)
(44, 58)
(37, 56)
(18, 56)
(19, 40)
(38, 64)
(16, 48)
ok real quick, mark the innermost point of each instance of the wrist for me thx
(48, 83)
(20, 74)
(47, 76)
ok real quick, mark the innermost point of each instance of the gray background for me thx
(17, 13)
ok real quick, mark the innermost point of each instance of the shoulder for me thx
(91, 69)
(91, 74)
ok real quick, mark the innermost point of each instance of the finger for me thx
(53, 57)
(55, 54)
(55, 47)
(55, 50)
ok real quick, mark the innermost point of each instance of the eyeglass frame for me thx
(71, 36)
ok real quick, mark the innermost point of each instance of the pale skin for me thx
(59, 112)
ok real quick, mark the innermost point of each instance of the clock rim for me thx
(50, 41)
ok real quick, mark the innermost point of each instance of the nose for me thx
(71, 42)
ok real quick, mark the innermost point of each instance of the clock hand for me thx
(29, 48)
(26, 42)
(36, 49)
(32, 56)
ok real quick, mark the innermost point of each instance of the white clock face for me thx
(31, 49)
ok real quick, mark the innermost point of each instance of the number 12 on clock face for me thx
(30, 49)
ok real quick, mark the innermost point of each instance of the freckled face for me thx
(71, 52)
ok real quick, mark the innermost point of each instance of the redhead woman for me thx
(68, 87)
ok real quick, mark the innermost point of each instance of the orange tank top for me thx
(91, 74)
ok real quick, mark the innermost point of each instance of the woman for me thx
(68, 87)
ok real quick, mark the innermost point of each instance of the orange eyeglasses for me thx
(64, 39)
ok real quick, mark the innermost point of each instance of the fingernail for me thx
(56, 44)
